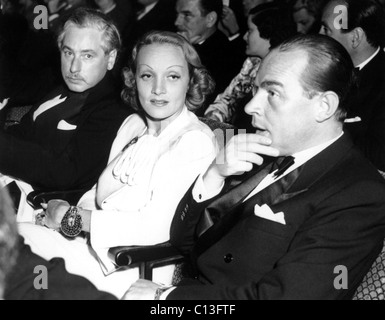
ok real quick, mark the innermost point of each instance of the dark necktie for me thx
(281, 165)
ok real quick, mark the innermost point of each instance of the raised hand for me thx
(238, 157)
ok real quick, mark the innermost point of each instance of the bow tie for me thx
(281, 164)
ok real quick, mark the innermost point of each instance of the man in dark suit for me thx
(151, 15)
(64, 141)
(364, 38)
(309, 229)
(59, 12)
(197, 21)
(122, 14)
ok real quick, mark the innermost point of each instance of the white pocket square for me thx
(64, 125)
(266, 213)
(352, 120)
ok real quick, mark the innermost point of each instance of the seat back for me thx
(223, 131)
(373, 285)
(14, 115)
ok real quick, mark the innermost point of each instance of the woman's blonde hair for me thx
(201, 83)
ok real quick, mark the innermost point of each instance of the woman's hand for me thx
(54, 213)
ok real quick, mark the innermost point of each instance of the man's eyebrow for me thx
(271, 83)
(83, 51)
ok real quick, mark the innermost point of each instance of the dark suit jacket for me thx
(369, 104)
(161, 17)
(61, 284)
(222, 60)
(335, 216)
(49, 158)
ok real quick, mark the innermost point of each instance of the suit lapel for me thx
(227, 210)
(221, 206)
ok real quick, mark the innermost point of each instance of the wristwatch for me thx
(71, 224)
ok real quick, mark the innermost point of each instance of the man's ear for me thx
(357, 36)
(211, 19)
(327, 107)
(112, 59)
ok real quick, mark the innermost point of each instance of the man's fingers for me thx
(242, 167)
(252, 143)
(251, 138)
(261, 150)
(251, 148)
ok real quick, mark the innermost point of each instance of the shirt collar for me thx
(305, 155)
(363, 64)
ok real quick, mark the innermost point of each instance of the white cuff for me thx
(235, 36)
(201, 194)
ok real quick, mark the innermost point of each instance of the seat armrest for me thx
(35, 198)
(146, 257)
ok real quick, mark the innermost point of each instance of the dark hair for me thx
(274, 22)
(89, 18)
(329, 68)
(208, 6)
(201, 84)
(8, 238)
(368, 15)
(314, 7)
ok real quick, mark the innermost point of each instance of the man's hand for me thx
(238, 157)
(141, 290)
(229, 21)
(55, 211)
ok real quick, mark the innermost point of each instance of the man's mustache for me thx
(74, 77)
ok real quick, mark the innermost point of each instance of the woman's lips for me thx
(159, 103)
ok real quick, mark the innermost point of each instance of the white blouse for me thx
(136, 196)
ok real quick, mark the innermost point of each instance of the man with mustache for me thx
(63, 142)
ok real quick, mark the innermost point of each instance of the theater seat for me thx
(373, 285)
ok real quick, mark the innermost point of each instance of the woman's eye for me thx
(174, 77)
(145, 76)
